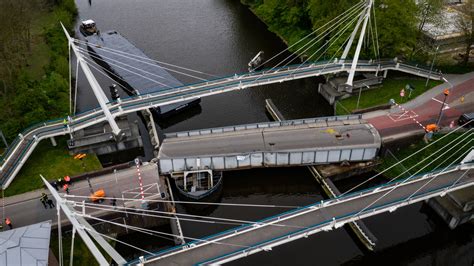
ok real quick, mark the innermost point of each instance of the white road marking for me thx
(446, 106)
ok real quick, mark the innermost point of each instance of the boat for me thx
(134, 84)
(88, 27)
(256, 62)
(199, 184)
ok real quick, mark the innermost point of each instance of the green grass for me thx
(81, 256)
(52, 163)
(390, 89)
(436, 149)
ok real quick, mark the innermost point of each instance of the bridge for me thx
(25, 143)
(322, 216)
(273, 144)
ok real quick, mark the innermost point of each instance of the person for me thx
(428, 136)
(113, 201)
(60, 182)
(44, 199)
(55, 185)
(65, 122)
(66, 188)
(67, 179)
(44, 196)
(8, 222)
(51, 203)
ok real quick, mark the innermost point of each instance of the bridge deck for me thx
(250, 239)
(308, 138)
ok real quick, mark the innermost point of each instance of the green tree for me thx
(428, 12)
(465, 23)
(396, 24)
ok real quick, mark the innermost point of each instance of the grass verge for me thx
(52, 163)
(390, 89)
(435, 160)
(81, 255)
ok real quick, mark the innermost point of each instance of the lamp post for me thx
(431, 69)
(446, 93)
(358, 98)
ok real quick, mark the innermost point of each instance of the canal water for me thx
(220, 37)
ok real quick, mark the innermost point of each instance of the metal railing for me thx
(350, 217)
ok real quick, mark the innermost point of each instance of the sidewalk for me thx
(395, 122)
(26, 208)
(455, 80)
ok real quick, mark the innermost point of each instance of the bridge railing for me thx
(289, 213)
(209, 131)
(332, 222)
(40, 130)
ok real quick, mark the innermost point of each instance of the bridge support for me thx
(96, 88)
(81, 226)
(350, 79)
(53, 142)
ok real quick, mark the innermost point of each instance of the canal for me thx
(220, 37)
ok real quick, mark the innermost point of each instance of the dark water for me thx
(220, 37)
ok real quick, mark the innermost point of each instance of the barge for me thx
(199, 184)
(119, 56)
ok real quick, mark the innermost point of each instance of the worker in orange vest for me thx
(67, 179)
(66, 188)
(432, 128)
(8, 222)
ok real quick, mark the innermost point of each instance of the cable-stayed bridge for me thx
(323, 216)
(358, 17)
(251, 237)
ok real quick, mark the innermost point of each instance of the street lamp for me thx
(431, 69)
(446, 93)
(360, 91)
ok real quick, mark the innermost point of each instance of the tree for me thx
(428, 12)
(465, 23)
(396, 22)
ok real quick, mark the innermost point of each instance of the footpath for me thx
(401, 120)
(26, 208)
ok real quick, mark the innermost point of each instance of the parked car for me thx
(467, 119)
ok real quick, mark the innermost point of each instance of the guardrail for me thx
(200, 132)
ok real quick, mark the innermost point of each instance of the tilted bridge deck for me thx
(25, 143)
(286, 143)
(322, 216)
